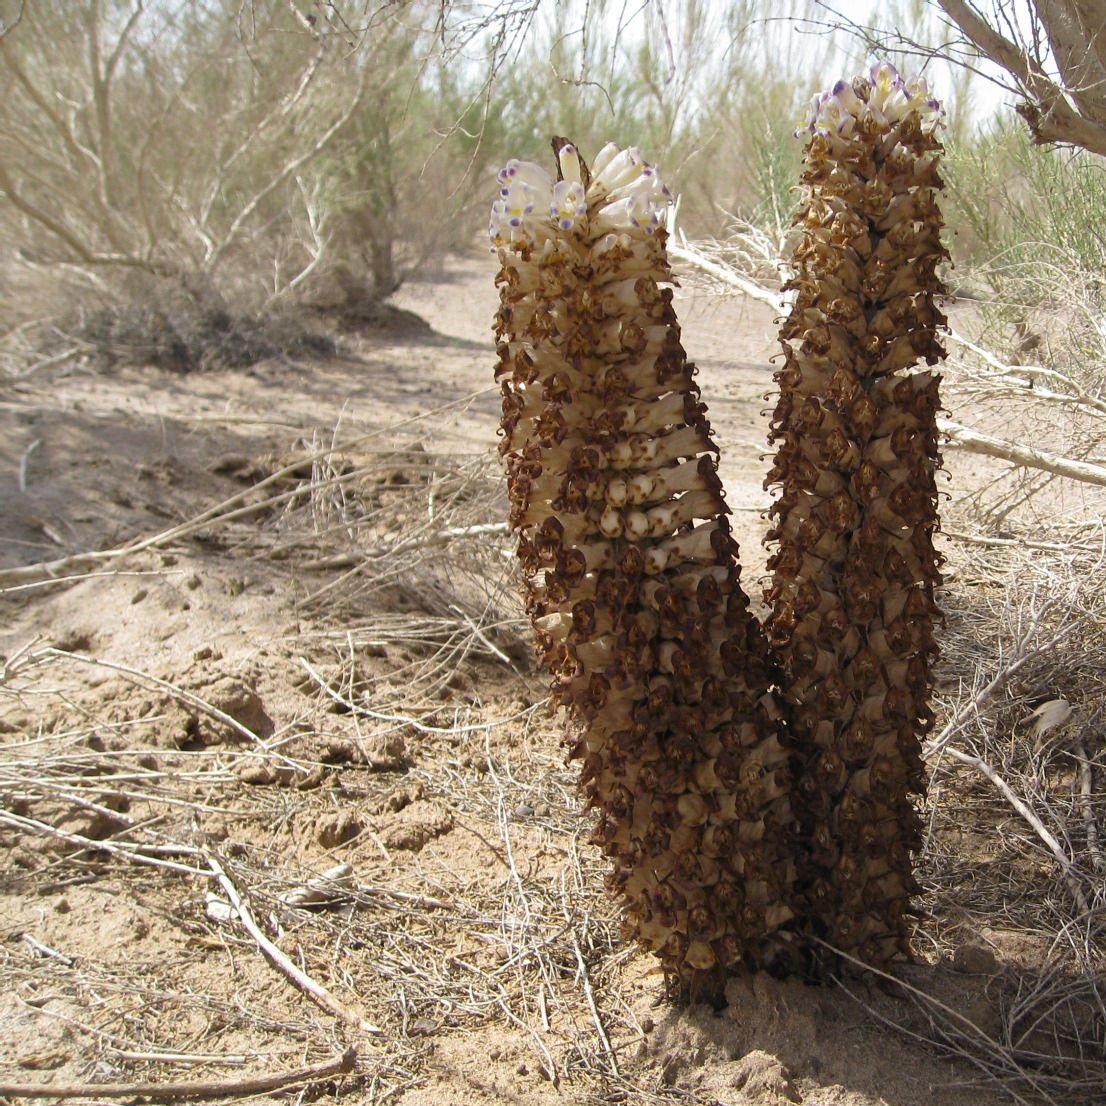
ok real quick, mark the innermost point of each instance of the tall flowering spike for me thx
(631, 574)
(854, 570)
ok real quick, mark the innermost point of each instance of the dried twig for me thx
(963, 437)
(414, 723)
(1042, 831)
(300, 978)
(227, 1088)
(136, 853)
(178, 692)
(728, 276)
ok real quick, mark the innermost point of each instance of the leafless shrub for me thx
(224, 157)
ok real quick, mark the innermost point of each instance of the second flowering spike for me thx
(854, 570)
(631, 573)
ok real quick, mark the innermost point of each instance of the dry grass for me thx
(402, 554)
(406, 595)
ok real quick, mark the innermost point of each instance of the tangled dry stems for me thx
(396, 551)
(402, 551)
(190, 337)
(540, 950)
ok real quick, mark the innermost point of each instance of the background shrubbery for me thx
(231, 162)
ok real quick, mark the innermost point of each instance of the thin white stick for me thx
(429, 541)
(45, 950)
(236, 1090)
(178, 1057)
(590, 996)
(1030, 372)
(412, 722)
(482, 637)
(23, 464)
(139, 854)
(1042, 831)
(953, 1015)
(221, 512)
(1086, 795)
(301, 979)
(173, 689)
(953, 725)
(729, 276)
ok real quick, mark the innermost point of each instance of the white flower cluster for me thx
(883, 97)
(625, 195)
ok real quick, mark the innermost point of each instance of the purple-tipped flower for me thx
(569, 206)
(884, 99)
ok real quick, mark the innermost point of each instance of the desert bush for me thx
(189, 339)
(232, 160)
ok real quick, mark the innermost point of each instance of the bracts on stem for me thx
(631, 573)
(854, 570)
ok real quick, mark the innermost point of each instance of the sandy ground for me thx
(474, 933)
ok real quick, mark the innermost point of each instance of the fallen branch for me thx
(1028, 376)
(962, 437)
(137, 853)
(728, 275)
(429, 541)
(227, 1088)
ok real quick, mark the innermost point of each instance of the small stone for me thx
(193, 582)
(763, 1078)
(256, 774)
(139, 596)
(648, 1025)
(524, 810)
(333, 830)
(205, 652)
(62, 906)
(974, 959)
(522, 1069)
